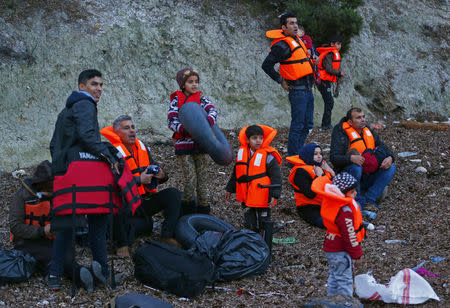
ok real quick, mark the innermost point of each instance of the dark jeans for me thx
(97, 242)
(373, 184)
(311, 214)
(302, 118)
(328, 102)
(168, 200)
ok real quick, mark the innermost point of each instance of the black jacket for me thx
(77, 131)
(340, 144)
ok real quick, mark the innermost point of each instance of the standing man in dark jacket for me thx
(76, 143)
(295, 76)
(352, 146)
(330, 72)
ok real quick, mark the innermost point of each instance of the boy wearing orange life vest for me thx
(329, 72)
(345, 230)
(29, 222)
(192, 158)
(256, 177)
(308, 165)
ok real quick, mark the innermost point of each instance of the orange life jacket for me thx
(356, 141)
(336, 64)
(183, 99)
(37, 213)
(137, 163)
(298, 64)
(300, 198)
(331, 204)
(251, 172)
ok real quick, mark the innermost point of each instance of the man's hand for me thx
(357, 159)
(285, 85)
(146, 178)
(228, 196)
(386, 163)
(47, 230)
(160, 175)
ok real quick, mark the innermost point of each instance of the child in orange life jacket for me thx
(308, 165)
(256, 177)
(343, 219)
(192, 158)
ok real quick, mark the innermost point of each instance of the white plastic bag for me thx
(407, 287)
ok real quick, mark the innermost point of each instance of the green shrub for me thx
(324, 18)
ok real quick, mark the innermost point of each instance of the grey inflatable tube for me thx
(189, 227)
(193, 119)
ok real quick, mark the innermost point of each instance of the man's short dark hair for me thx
(348, 116)
(336, 38)
(88, 74)
(284, 17)
(254, 130)
(116, 123)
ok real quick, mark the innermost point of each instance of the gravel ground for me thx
(414, 211)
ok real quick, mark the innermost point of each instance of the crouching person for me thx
(343, 219)
(29, 222)
(122, 135)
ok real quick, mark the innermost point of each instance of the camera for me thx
(153, 169)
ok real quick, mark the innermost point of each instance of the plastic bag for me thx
(16, 266)
(406, 287)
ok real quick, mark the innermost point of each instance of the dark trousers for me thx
(97, 242)
(311, 214)
(328, 102)
(127, 228)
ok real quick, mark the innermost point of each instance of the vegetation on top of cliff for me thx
(322, 19)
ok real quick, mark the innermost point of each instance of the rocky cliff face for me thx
(398, 65)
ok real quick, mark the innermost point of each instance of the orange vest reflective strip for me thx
(251, 172)
(37, 214)
(331, 205)
(356, 141)
(140, 153)
(336, 64)
(298, 64)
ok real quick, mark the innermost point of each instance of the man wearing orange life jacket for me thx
(295, 75)
(345, 230)
(329, 71)
(256, 177)
(29, 223)
(122, 135)
(350, 135)
(308, 165)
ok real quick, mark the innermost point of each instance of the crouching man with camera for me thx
(122, 134)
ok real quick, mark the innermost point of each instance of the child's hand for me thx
(272, 202)
(228, 196)
(358, 262)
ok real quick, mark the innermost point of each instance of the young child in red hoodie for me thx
(343, 219)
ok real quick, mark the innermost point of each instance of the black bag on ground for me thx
(139, 301)
(172, 269)
(236, 254)
(16, 266)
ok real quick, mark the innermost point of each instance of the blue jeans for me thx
(340, 280)
(373, 184)
(97, 243)
(302, 118)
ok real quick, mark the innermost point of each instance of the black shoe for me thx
(97, 271)
(326, 127)
(86, 279)
(188, 208)
(54, 283)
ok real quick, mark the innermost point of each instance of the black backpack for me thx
(172, 269)
(16, 266)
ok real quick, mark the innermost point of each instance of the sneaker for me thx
(371, 206)
(98, 274)
(54, 283)
(370, 215)
(86, 279)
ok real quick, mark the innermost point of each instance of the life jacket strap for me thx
(248, 178)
